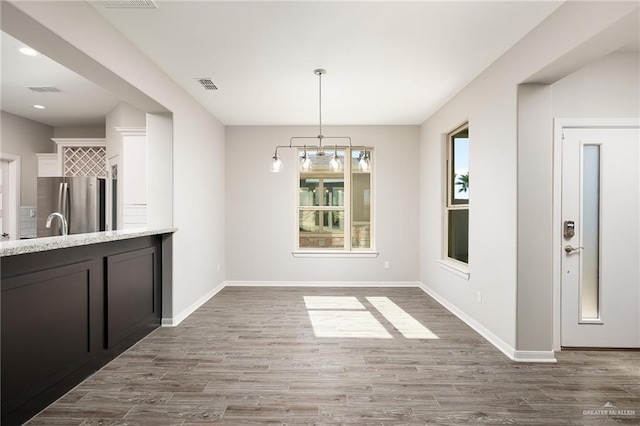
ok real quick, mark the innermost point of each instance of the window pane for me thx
(361, 190)
(361, 235)
(460, 167)
(309, 221)
(590, 292)
(321, 229)
(308, 192)
(458, 247)
(333, 192)
(333, 221)
(361, 210)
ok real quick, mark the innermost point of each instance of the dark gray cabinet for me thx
(66, 313)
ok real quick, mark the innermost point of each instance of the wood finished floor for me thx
(251, 356)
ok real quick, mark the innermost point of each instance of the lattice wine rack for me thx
(85, 161)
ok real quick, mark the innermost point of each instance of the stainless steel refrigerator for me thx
(81, 200)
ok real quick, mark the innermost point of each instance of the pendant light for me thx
(306, 161)
(364, 163)
(335, 165)
(276, 164)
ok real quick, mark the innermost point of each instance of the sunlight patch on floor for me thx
(361, 324)
(345, 316)
(401, 320)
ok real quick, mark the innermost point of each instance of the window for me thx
(457, 205)
(334, 207)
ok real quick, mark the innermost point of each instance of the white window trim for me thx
(353, 251)
(448, 263)
(455, 267)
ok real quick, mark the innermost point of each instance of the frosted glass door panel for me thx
(590, 291)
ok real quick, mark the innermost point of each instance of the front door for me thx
(600, 293)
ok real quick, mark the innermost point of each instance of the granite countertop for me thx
(12, 248)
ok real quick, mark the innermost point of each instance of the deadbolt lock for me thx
(569, 229)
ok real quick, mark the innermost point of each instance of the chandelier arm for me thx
(293, 138)
(282, 146)
(339, 137)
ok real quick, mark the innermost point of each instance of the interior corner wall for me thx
(108, 57)
(160, 166)
(25, 138)
(261, 207)
(490, 104)
(535, 211)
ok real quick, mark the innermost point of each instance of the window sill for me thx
(333, 253)
(455, 268)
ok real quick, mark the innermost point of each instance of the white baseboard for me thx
(322, 284)
(172, 322)
(501, 345)
(535, 356)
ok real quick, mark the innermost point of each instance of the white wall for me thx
(103, 55)
(577, 33)
(79, 132)
(606, 88)
(261, 214)
(25, 138)
(160, 166)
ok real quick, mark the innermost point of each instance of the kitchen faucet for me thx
(63, 221)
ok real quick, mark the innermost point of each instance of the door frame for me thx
(558, 125)
(14, 193)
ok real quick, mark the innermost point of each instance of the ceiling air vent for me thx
(128, 4)
(44, 89)
(207, 83)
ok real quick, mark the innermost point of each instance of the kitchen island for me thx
(70, 304)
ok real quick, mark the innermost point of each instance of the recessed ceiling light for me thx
(28, 51)
(40, 107)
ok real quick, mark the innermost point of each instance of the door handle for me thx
(569, 249)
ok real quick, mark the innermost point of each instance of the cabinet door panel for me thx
(47, 312)
(131, 294)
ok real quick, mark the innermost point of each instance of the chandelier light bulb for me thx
(334, 164)
(276, 164)
(306, 161)
(306, 164)
(364, 164)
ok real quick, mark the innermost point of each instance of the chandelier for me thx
(334, 164)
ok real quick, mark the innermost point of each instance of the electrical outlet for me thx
(218, 267)
(479, 297)
(386, 264)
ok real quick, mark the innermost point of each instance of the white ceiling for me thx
(386, 62)
(79, 103)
